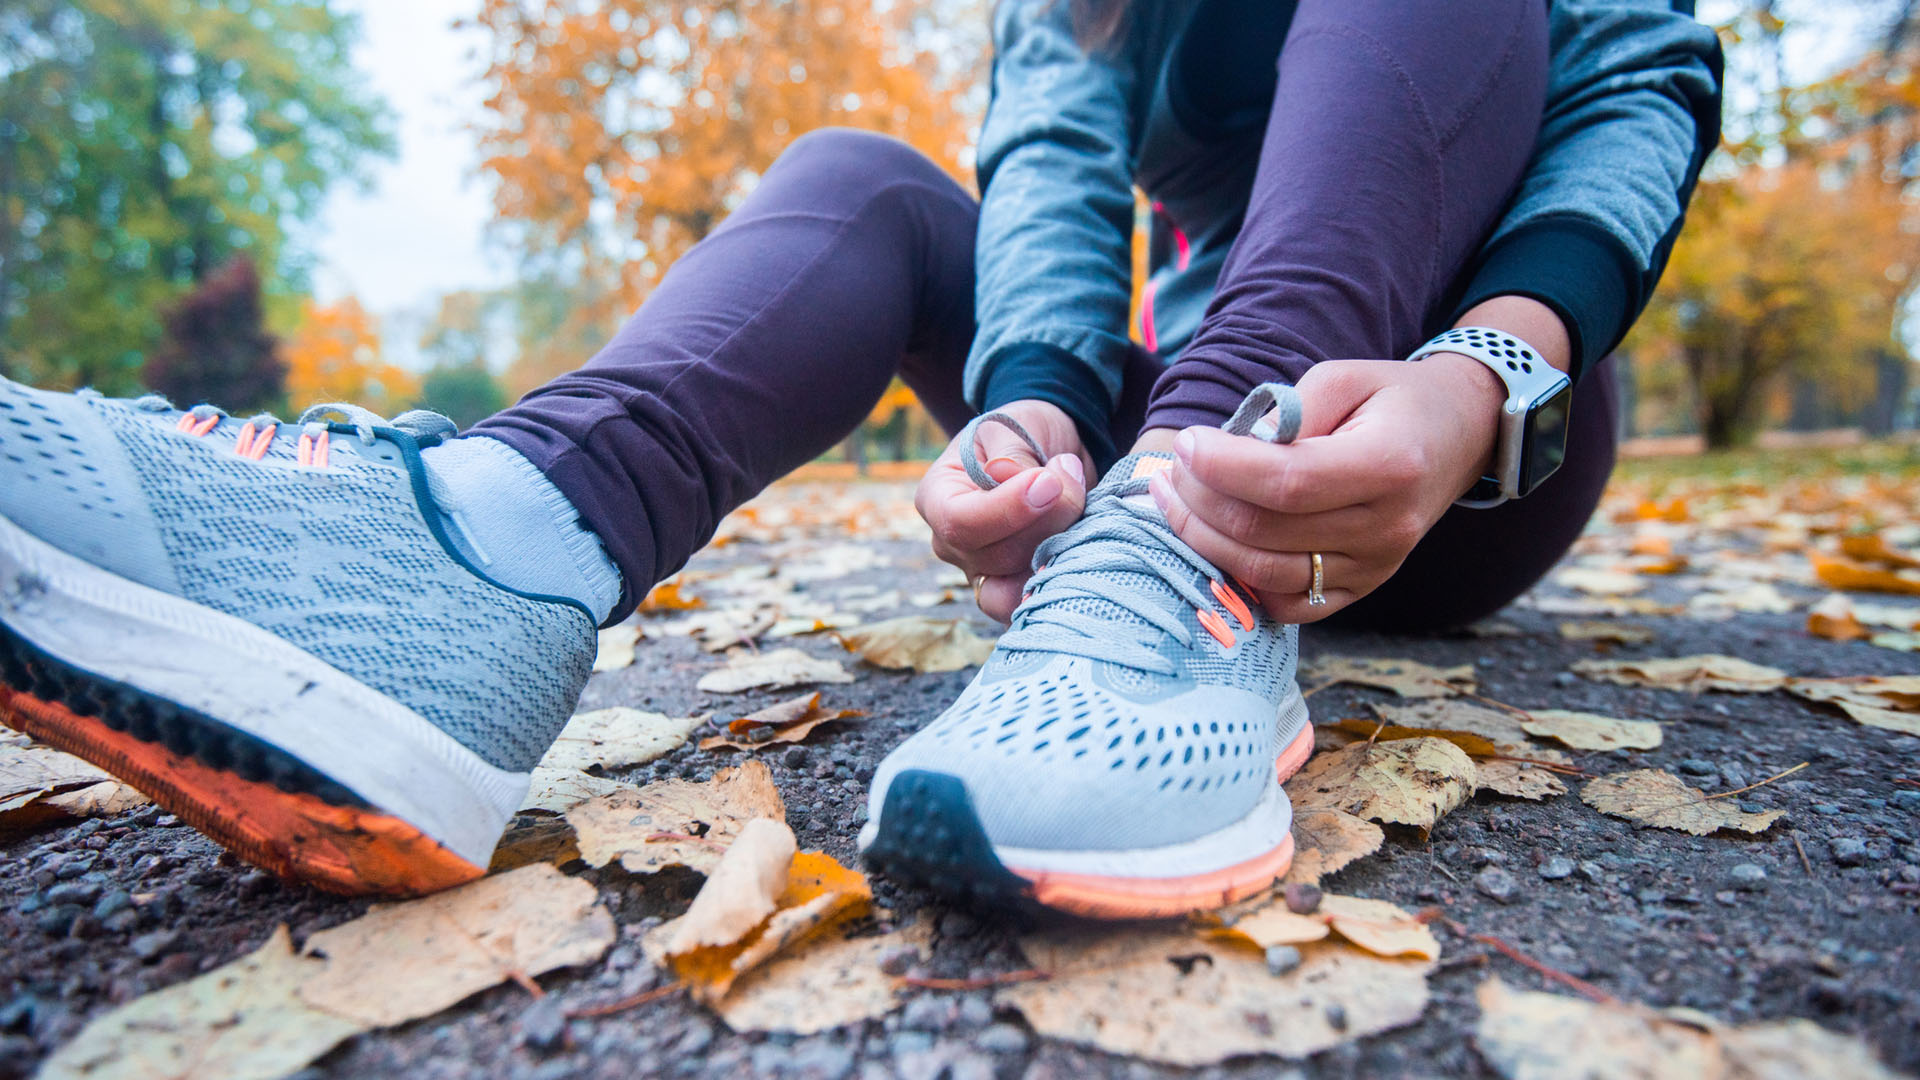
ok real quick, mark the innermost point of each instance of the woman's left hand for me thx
(1384, 449)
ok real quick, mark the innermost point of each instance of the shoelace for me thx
(1114, 535)
(256, 435)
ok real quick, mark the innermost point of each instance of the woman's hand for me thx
(1384, 449)
(991, 535)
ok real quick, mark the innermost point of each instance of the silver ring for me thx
(1315, 598)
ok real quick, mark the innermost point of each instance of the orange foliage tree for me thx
(620, 132)
(335, 356)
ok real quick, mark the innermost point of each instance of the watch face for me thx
(1544, 442)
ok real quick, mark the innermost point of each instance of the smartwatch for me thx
(1533, 423)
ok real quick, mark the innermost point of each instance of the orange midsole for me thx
(1114, 897)
(336, 848)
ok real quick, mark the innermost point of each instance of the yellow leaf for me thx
(1406, 678)
(1406, 782)
(919, 643)
(775, 669)
(1590, 731)
(1840, 573)
(1658, 798)
(1689, 673)
(617, 737)
(675, 822)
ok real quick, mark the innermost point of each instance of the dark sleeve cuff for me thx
(1052, 374)
(1580, 270)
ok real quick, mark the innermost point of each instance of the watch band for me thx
(1528, 379)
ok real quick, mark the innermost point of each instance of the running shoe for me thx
(266, 628)
(1120, 754)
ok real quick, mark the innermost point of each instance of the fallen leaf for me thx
(1327, 840)
(1655, 797)
(675, 822)
(1872, 548)
(1519, 779)
(558, 790)
(617, 644)
(551, 842)
(1890, 702)
(1404, 677)
(1474, 745)
(1591, 731)
(1379, 927)
(240, 1021)
(667, 596)
(1179, 998)
(918, 642)
(617, 737)
(40, 784)
(1597, 582)
(739, 894)
(1273, 923)
(1615, 633)
(1504, 761)
(1690, 673)
(1841, 573)
(834, 981)
(1898, 642)
(1405, 782)
(1611, 606)
(790, 721)
(400, 962)
(774, 670)
(1833, 619)
(1533, 1036)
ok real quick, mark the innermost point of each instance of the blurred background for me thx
(269, 203)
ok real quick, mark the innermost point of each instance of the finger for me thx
(998, 596)
(1004, 451)
(1293, 607)
(1346, 468)
(1331, 391)
(1265, 570)
(1003, 526)
(1259, 527)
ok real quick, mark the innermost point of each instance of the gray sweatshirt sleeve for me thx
(1633, 110)
(1053, 261)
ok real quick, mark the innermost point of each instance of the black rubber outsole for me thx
(930, 837)
(154, 719)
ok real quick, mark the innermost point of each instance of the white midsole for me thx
(243, 676)
(1262, 829)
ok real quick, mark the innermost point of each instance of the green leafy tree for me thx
(464, 393)
(144, 144)
(458, 341)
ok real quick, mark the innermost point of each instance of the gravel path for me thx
(1818, 917)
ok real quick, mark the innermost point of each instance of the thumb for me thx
(1004, 452)
(1331, 392)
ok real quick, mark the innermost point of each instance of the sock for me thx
(509, 520)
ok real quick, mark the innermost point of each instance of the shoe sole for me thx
(284, 760)
(929, 834)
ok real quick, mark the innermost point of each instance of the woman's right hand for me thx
(991, 535)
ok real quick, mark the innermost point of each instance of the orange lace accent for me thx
(1232, 602)
(195, 426)
(253, 443)
(313, 450)
(1218, 627)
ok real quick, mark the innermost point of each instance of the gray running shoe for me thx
(1121, 752)
(265, 627)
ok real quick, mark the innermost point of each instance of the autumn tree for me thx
(216, 348)
(335, 356)
(143, 144)
(619, 132)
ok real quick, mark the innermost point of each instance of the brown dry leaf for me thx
(773, 670)
(1841, 573)
(240, 1021)
(558, 790)
(1474, 745)
(1405, 782)
(617, 737)
(1179, 998)
(1836, 625)
(1520, 779)
(1890, 702)
(1327, 840)
(918, 642)
(551, 842)
(1597, 582)
(1532, 1036)
(790, 721)
(739, 894)
(1613, 633)
(1873, 548)
(617, 644)
(1591, 731)
(1379, 927)
(1404, 677)
(400, 962)
(675, 822)
(1690, 673)
(1491, 737)
(667, 596)
(1273, 923)
(832, 981)
(39, 783)
(1655, 797)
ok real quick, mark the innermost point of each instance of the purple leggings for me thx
(852, 261)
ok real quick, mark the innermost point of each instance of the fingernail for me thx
(1183, 447)
(1071, 463)
(1161, 490)
(1002, 462)
(1045, 488)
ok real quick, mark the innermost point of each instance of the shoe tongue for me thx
(1129, 470)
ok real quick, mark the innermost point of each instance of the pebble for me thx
(902, 1043)
(56, 920)
(1694, 766)
(1748, 877)
(1337, 1017)
(1557, 867)
(975, 1012)
(819, 1059)
(1302, 899)
(897, 961)
(1849, 851)
(970, 1067)
(154, 943)
(1282, 959)
(543, 1025)
(926, 1013)
(1496, 883)
(1907, 799)
(74, 892)
(1826, 809)
(957, 924)
(112, 904)
(699, 1036)
(1003, 1039)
